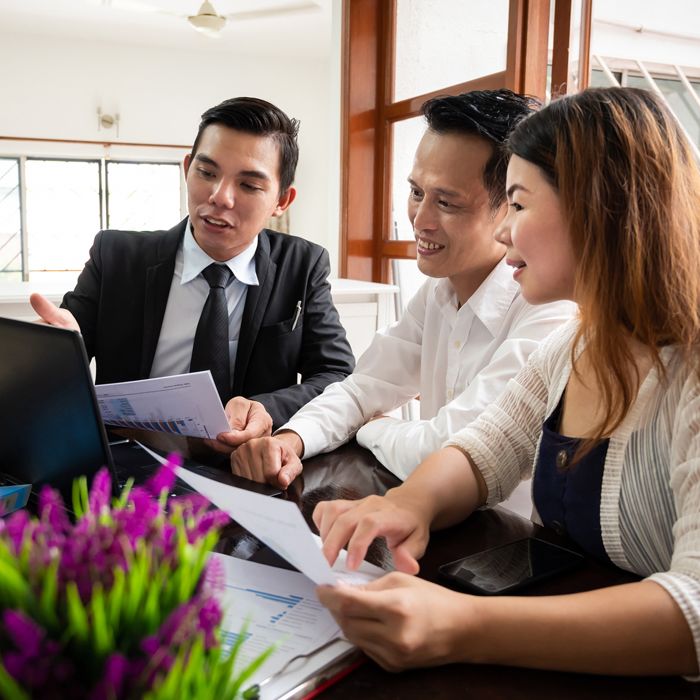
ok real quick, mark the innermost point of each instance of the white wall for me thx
(656, 32)
(52, 87)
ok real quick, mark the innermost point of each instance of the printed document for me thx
(279, 607)
(281, 526)
(184, 404)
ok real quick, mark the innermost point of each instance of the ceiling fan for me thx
(207, 20)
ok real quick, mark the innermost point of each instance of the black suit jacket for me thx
(121, 295)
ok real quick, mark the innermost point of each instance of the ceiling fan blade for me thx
(299, 8)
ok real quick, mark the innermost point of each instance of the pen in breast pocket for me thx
(296, 315)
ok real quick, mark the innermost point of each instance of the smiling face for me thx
(536, 235)
(233, 188)
(448, 206)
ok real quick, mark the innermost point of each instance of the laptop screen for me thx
(50, 429)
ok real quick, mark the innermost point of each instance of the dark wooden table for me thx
(352, 472)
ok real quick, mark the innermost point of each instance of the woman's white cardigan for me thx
(650, 496)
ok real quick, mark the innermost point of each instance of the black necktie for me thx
(210, 348)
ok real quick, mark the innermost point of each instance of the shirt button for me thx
(562, 460)
(458, 344)
(450, 393)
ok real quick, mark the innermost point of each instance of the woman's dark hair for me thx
(491, 114)
(629, 188)
(255, 116)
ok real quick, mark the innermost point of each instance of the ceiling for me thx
(289, 29)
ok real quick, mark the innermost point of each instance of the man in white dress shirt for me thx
(464, 334)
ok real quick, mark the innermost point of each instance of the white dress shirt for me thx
(188, 293)
(458, 360)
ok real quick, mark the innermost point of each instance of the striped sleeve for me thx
(682, 580)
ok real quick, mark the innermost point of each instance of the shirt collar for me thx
(489, 302)
(494, 296)
(195, 260)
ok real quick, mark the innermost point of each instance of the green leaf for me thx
(102, 633)
(15, 588)
(47, 600)
(121, 501)
(81, 498)
(151, 609)
(77, 615)
(115, 599)
(251, 668)
(195, 664)
(9, 688)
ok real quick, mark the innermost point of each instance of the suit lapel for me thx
(159, 276)
(254, 310)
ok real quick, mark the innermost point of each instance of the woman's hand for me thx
(403, 622)
(356, 523)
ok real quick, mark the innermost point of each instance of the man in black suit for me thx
(139, 299)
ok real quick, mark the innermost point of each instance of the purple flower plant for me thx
(113, 555)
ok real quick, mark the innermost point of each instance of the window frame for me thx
(102, 161)
(368, 112)
(22, 226)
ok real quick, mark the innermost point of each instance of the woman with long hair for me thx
(604, 209)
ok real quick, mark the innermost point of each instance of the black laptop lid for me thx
(50, 426)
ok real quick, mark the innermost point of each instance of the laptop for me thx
(51, 430)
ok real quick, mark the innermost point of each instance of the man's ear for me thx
(186, 163)
(286, 198)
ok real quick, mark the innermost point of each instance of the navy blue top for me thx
(568, 498)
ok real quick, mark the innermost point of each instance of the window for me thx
(63, 213)
(398, 54)
(51, 209)
(650, 46)
(142, 196)
(10, 221)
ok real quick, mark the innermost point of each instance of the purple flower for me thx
(88, 553)
(33, 661)
(114, 678)
(23, 632)
(191, 504)
(16, 525)
(52, 510)
(143, 505)
(210, 617)
(180, 625)
(214, 579)
(100, 492)
(164, 478)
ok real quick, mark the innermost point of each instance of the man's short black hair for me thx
(491, 114)
(255, 116)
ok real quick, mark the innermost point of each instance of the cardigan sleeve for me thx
(502, 442)
(682, 580)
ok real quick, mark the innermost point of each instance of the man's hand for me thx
(248, 420)
(51, 314)
(273, 460)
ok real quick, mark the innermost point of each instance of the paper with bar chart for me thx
(279, 607)
(183, 404)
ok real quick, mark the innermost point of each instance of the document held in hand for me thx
(281, 526)
(281, 605)
(183, 404)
